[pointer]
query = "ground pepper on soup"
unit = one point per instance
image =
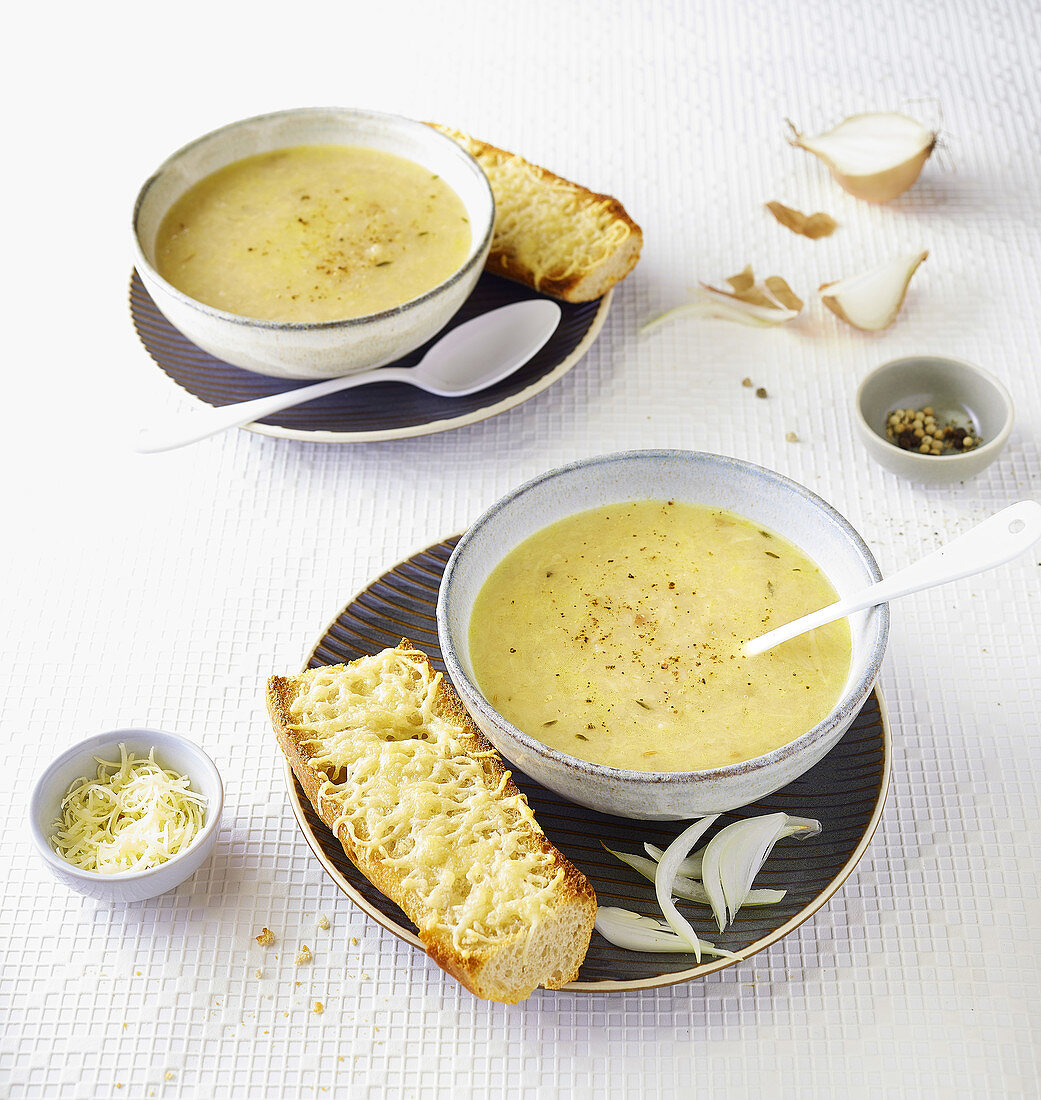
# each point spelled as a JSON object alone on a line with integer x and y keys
{"x": 313, "y": 233}
{"x": 615, "y": 635}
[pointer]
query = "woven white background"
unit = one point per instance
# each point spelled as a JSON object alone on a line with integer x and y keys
{"x": 162, "y": 590}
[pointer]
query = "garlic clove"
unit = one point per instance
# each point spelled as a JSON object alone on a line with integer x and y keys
{"x": 871, "y": 300}
{"x": 875, "y": 156}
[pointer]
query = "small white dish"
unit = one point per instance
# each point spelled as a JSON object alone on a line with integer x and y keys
{"x": 172, "y": 751}
{"x": 955, "y": 389}
{"x": 764, "y": 496}
{"x": 326, "y": 349}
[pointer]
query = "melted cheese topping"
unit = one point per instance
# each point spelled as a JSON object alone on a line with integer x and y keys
{"x": 469, "y": 855}
{"x": 542, "y": 222}
{"x": 134, "y": 815}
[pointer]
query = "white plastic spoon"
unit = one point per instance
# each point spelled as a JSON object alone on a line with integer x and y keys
{"x": 991, "y": 543}
{"x": 470, "y": 357}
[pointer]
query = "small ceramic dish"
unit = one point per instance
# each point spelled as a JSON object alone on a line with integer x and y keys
{"x": 172, "y": 751}
{"x": 957, "y": 391}
{"x": 328, "y": 348}
{"x": 767, "y": 498}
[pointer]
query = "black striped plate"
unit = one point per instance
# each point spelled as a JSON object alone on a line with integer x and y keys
{"x": 382, "y": 410}
{"x": 845, "y": 792}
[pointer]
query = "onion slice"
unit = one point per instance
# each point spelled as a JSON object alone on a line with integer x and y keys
{"x": 665, "y": 875}
{"x": 875, "y": 156}
{"x": 689, "y": 868}
{"x": 688, "y": 888}
{"x": 871, "y": 301}
{"x": 635, "y": 932}
{"x": 735, "y": 854}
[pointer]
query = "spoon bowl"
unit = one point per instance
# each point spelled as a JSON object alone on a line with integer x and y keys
{"x": 468, "y": 358}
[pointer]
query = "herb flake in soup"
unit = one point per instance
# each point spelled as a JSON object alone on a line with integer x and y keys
{"x": 615, "y": 636}
{"x": 313, "y": 233}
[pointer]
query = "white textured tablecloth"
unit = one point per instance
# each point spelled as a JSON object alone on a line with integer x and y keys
{"x": 161, "y": 591}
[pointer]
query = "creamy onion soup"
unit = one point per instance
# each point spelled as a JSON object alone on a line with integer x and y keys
{"x": 615, "y": 635}
{"x": 313, "y": 233}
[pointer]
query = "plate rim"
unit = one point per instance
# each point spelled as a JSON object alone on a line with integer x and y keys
{"x": 430, "y": 427}
{"x": 611, "y": 985}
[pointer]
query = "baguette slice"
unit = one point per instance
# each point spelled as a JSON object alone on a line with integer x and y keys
{"x": 423, "y": 807}
{"x": 551, "y": 234}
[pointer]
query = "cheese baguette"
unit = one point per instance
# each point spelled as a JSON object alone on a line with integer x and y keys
{"x": 423, "y": 807}
{"x": 552, "y": 234}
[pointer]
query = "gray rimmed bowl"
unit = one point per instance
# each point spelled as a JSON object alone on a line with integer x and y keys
{"x": 957, "y": 390}
{"x": 767, "y": 498}
{"x": 171, "y": 751}
{"x": 328, "y": 348}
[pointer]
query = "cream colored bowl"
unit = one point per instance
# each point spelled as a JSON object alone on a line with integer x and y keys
{"x": 324, "y": 349}
{"x": 690, "y": 476}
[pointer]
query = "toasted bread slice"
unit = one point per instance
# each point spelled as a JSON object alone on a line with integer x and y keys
{"x": 552, "y": 234}
{"x": 423, "y": 807}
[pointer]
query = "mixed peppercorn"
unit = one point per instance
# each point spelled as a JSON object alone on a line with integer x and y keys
{"x": 919, "y": 430}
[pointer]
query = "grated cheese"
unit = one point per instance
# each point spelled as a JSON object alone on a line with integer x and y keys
{"x": 411, "y": 797}
{"x": 134, "y": 815}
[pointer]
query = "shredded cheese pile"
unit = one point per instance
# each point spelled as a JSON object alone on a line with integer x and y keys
{"x": 543, "y": 222}
{"x": 412, "y": 798}
{"x": 133, "y": 816}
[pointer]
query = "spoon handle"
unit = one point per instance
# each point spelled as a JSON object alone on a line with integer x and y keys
{"x": 187, "y": 428}
{"x": 991, "y": 543}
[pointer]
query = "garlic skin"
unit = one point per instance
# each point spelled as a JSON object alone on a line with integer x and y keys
{"x": 875, "y": 157}
{"x": 871, "y": 300}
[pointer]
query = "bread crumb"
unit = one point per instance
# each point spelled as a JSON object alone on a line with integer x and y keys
{"x": 761, "y": 392}
{"x": 323, "y": 921}
{"x": 266, "y": 937}
{"x": 169, "y": 1075}
{"x": 791, "y": 437}
{"x": 304, "y": 955}
{"x": 258, "y": 972}
{"x": 319, "y": 1008}
{"x": 354, "y": 941}
{"x": 746, "y": 381}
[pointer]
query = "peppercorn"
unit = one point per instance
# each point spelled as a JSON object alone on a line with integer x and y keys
{"x": 918, "y": 430}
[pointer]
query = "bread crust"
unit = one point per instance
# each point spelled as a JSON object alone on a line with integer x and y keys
{"x": 505, "y": 257}
{"x": 576, "y": 900}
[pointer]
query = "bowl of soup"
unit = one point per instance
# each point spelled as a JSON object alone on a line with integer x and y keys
{"x": 593, "y": 622}
{"x": 316, "y": 242}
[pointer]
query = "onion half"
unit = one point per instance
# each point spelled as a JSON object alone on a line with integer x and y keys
{"x": 875, "y": 156}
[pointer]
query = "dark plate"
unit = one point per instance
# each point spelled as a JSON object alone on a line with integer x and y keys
{"x": 845, "y": 792}
{"x": 382, "y": 410}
